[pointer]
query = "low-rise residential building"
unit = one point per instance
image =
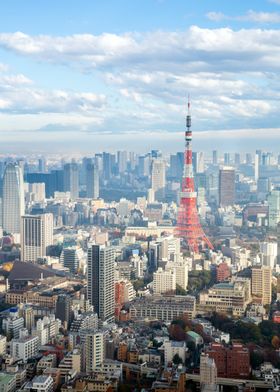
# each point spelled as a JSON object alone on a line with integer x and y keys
{"x": 172, "y": 348}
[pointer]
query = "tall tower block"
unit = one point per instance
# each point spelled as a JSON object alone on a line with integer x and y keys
{"x": 188, "y": 224}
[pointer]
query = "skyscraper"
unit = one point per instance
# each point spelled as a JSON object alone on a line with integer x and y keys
{"x": 158, "y": 179}
{"x": 257, "y": 167}
{"x": 42, "y": 165}
{"x": 108, "y": 164}
{"x": 13, "y": 198}
{"x": 71, "y": 179}
{"x": 122, "y": 161}
{"x": 226, "y": 186}
{"x": 198, "y": 162}
{"x": 36, "y": 236}
{"x": 248, "y": 159}
{"x": 215, "y": 157}
{"x": 92, "y": 180}
{"x": 100, "y": 281}
{"x": 237, "y": 159}
{"x": 226, "y": 158}
{"x": 273, "y": 200}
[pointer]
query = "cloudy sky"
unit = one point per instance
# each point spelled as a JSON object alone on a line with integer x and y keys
{"x": 84, "y": 75}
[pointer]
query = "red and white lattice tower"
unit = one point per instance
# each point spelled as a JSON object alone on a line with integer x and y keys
{"x": 188, "y": 224}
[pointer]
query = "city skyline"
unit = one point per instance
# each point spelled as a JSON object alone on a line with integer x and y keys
{"x": 91, "y": 82}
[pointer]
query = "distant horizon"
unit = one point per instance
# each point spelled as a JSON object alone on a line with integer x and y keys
{"x": 231, "y": 141}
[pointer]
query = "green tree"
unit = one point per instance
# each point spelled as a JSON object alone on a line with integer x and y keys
{"x": 177, "y": 359}
{"x": 180, "y": 290}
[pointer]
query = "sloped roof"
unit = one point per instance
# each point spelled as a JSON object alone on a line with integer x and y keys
{"x": 29, "y": 271}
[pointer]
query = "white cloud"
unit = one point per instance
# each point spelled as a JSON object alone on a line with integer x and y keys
{"x": 19, "y": 95}
{"x": 250, "y": 16}
{"x": 233, "y": 82}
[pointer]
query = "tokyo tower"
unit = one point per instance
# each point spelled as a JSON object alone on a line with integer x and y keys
{"x": 188, "y": 224}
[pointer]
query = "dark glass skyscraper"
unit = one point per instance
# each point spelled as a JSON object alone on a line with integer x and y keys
{"x": 100, "y": 281}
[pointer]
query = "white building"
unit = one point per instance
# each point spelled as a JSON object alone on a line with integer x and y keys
{"x": 3, "y": 344}
{"x": 46, "y": 328}
{"x": 24, "y": 348}
{"x": 12, "y": 325}
{"x": 164, "y": 281}
{"x": 92, "y": 181}
{"x": 13, "y": 198}
{"x": 36, "y": 236}
{"x": 93, "y": 345}
{"x": 171, "y": 348}
{"x": 208, "y": 371}
{"x": 181, "y": 271}
{"x": 158, "y": 178}
{"x": 129, "y": 292}
{"x": 40, "y": 384}
{"x": 70, "y": 363}
{"x": 36, "y": 192}
{"x": 268, "y": 254}
{"x": 169, "y": 248}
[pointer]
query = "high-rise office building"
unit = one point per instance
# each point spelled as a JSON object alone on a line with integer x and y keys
{"x": 71, "y": 179}
{"x": 249, "y": 159}
{"x": 144, "y": 165}
{"x": 92, "y": 181}
{"x": 177, "y": 165}
{"x": 122, "y": 161}
{"x": 273, "y": 200}
{"x": 158, "y": 179}
{"x": 100, "y": 280}
{"x": 261, "y": 283}
{"x": 215, "y": 157}
{"x": 258, "y": 159}
{"x": 198, "y": 162}
{"x": 13, "y": 198}
{"x": 36, "y": 236}
{"x": 226, "y": 187}
{"x": 226, "y": 158}
{"x": 237, "y": 160}
{"x": 108, "y": 164}
{"x": 42, "y": 165}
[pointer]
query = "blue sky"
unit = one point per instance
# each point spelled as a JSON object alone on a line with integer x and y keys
{"x": 84, "y": 75}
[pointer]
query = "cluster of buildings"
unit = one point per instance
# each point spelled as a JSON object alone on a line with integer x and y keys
{"x": 93, "y": 275}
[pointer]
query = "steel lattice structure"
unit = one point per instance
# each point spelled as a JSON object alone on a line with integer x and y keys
{"x": 188, "y": 223}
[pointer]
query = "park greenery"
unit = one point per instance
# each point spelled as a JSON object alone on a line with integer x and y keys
{"x": 199, "y": 280}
